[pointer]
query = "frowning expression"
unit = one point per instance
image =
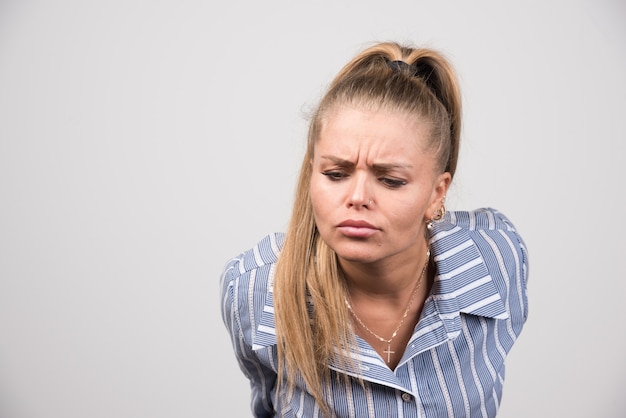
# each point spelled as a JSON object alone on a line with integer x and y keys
{"x": 374, "y": 184}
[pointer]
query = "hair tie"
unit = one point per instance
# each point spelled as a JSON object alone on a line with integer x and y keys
{"x": 401, "y": 67}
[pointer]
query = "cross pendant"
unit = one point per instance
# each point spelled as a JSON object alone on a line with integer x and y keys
{"x": 389, "y": 352}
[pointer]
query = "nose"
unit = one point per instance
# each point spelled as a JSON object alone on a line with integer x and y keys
{"x": 359, "y": 194}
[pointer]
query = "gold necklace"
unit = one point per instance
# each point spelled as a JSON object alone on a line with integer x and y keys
{"x": 406, "y": 313}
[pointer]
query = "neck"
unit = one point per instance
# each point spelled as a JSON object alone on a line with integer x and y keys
{"x": 386, "y": 320}
{"x": 385, "y": 278}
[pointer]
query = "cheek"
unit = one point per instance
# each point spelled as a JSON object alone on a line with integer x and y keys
{"x": 406, "y": 223}
{"x": 314, "y": 195}
{"x": 409, "y": 217}
{"x": 317, "y": 201}
{"x": 322, "y": 194}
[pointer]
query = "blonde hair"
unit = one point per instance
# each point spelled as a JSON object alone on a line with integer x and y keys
{"x": 307, "y": 272}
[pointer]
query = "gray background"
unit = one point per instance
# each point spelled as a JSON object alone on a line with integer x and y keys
{"x": 143, "y": 143}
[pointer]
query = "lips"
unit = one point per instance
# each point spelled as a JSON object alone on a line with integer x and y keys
{"x": 357, "y": 228}
{"x": 356, "y": 224}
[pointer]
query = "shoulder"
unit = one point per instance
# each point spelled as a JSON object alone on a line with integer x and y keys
{"x": 254, "y": 266}
{"x": 484, "y": 226}
{"x": 480, "y": 219}
{"x": 245, "y": 282}
{"x": 490, "y": 239}
{"x": 491, "y": 231}
{"x": 264, "y": 253}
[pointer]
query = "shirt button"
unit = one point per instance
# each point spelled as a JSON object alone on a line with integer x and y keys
{"x": 406, "y": 397}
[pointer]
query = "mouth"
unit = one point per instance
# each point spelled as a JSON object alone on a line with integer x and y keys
{"x": 357, "y": 229}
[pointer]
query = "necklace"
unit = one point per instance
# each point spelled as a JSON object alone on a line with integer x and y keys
{"x": 406, "y": 313}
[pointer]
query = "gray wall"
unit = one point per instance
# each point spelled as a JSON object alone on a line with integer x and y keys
{"x": 143, "y": 143}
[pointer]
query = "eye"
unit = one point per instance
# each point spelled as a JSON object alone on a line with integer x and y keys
{"x": 334, "y": 175}
{"x": 391, "y": 182}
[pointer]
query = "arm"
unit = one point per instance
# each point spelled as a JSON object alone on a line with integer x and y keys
{"x": 236, "y": 314}
{"x": 506, "y": 247}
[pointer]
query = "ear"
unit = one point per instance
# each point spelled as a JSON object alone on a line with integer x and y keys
{"x": 438, "y": 196}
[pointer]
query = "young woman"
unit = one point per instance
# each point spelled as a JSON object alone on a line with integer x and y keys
{"x": 376, "y": 302}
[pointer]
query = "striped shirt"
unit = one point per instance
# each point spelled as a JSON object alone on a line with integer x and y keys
{"x": 453, "y": 365}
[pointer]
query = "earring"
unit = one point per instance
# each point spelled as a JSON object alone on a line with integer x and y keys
{"x": 437, "y": 216}
{"x": 440, "y": 213}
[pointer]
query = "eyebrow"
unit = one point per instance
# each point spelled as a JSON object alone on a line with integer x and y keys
{"x": 342, "y": 162}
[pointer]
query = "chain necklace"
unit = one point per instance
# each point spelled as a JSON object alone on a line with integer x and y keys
{"x": 406, "y": 313}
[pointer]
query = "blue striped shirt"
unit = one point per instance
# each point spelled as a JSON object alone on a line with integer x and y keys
{"x": 453, "y": 366}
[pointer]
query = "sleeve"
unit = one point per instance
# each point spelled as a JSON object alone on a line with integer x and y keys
{"x": 236, "y": 316}
{"x": 510, "y": 268}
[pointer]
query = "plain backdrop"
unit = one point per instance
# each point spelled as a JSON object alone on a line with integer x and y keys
{"x": 144, "y": 143}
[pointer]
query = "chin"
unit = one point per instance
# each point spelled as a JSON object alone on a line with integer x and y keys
{"x": 355, "y": 255}
{"x": 359, "y": 260}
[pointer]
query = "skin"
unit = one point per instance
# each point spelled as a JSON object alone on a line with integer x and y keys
{"x": 374, "y": 187}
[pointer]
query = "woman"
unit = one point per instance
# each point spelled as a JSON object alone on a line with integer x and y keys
{"x": 377, "y": 302}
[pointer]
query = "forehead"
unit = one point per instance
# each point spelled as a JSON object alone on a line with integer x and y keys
{"x": 382, "y": 133}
